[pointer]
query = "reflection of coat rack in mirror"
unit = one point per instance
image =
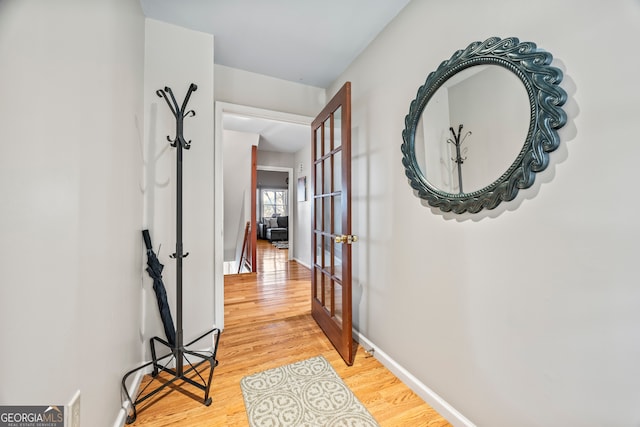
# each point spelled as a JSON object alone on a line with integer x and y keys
{"x": 459, "y": 160}
{"x": 170, "y": 368}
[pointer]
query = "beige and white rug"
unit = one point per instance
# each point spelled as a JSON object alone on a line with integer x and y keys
{"x": 307, "y": 393}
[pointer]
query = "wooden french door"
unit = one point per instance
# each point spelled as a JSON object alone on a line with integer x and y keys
{"x": 331, "y": 223}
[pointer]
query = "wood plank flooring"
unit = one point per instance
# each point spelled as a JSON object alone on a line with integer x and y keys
{"x": 267, "y": 324}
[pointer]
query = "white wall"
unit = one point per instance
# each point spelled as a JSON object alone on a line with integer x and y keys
{"x": 255, "y": 90}
{"x": 302, "y": 245}
{"x": 176, "y": 57}
{"x": 237, "y": 187}
{"x": 272, "y": 179}
{"x": 528, "y": 317}
{"x": 70, "y": 163}
{"x": 276, "y": 159}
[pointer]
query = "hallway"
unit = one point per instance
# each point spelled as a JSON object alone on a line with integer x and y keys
{"x": 268, "y": 324}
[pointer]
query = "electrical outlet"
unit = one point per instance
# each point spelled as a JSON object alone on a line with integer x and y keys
{"x": 73, "y": 411}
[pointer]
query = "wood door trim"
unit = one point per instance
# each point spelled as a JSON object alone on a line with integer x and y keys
{"x": 254, "y": 224}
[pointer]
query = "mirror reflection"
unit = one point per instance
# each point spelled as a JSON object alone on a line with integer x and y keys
{"x": 472, "y": 129}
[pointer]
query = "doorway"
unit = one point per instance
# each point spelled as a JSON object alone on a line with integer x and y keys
{"x": 275, "y": 209}
{"x": 249, "y": 115}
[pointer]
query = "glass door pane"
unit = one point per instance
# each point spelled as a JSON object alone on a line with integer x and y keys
{"x": 318, "y": 143}
{"x": 327, "y": 138}
{"x": 337, "y": 302}
{"x": 337, "y": 126}
{"x": 328, "y": 300}
{"x": 337, "y": 214}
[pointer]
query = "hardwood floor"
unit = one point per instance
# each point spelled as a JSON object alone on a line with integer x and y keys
{"x": 268, "y": 324}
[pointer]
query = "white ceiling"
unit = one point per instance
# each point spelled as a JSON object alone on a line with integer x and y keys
{"x": 277, "y": 136}
{"x": 305, "y": 41}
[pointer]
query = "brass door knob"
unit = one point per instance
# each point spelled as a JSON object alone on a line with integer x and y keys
{"x": 346, "y": 238}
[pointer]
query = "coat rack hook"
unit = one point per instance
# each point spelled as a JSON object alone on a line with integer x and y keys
{"x": 174, "y": 108}
{"x": 192, "y": 88}
{"x": 179, "y": 113}
{"x": 162, "y": 94}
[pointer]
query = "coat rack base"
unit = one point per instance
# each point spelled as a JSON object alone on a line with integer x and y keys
{"x": 189, "y": 368}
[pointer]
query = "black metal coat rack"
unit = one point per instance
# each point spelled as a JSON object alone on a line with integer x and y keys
{"x": 193, "y": 374}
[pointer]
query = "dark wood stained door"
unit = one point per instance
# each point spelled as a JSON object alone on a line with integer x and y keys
{"x": 331, "y": 222}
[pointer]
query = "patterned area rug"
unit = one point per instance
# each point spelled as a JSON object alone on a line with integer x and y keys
{"x": 307, "y": 393}
{"x": 282, "y": 244}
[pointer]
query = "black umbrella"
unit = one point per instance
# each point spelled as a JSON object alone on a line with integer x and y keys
{"x": 154, "y": 268}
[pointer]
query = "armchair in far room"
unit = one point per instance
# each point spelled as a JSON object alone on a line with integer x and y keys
{"x": 275, "y": 228}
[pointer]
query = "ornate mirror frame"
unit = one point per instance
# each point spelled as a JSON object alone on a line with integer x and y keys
{"x": 546, "y": 98}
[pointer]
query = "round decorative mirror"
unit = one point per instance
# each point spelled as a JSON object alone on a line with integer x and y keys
{"x": 483, "y": 125}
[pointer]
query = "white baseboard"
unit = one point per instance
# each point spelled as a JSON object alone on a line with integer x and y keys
{"x": 303, "y": 263}
{"x": 428, "y": 395}
{"x": 121, "y": 418}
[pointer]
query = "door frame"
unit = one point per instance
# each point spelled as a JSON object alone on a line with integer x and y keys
{"x": 290, "y": 206}
{"x": 218, "y": 190}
